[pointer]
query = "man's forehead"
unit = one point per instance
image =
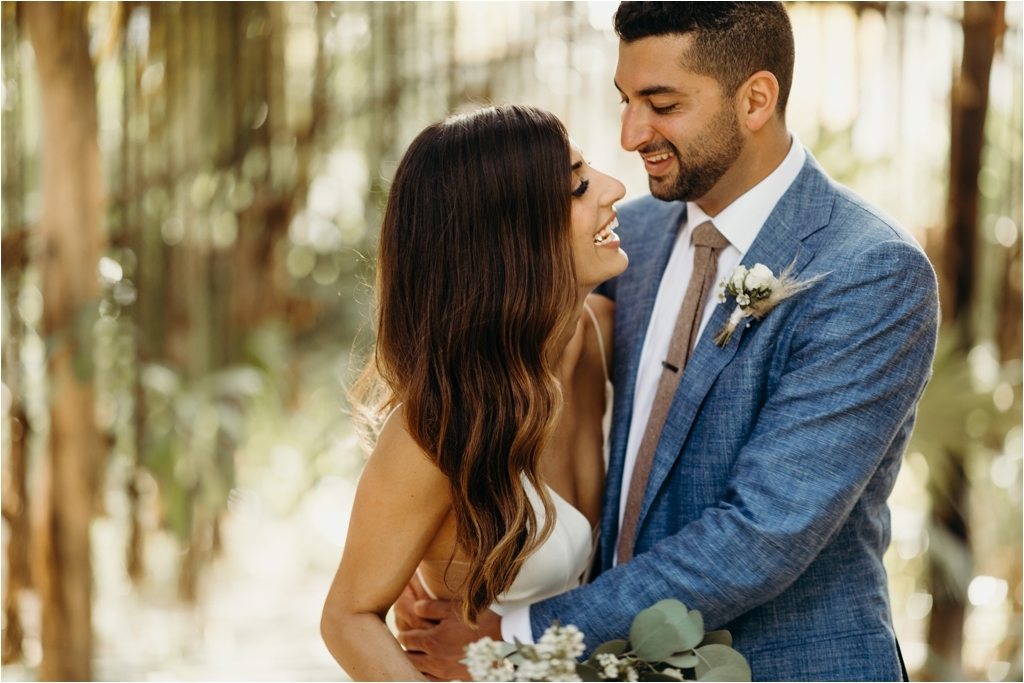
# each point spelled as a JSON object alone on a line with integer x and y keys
{"x": 653, "y": 65}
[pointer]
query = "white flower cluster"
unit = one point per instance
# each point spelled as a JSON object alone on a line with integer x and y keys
{"x": 616, "y": 669}
{"x": 748, "y": 285}
{"x": 486, "y": 661}
{"x": 553, "y": 658}
{"x": 760, "y": 277}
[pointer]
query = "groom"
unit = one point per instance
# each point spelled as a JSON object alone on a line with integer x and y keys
{"x": 748, "y": 481}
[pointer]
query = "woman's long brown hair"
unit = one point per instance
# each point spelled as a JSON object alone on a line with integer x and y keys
{"x": 475, "y": 280}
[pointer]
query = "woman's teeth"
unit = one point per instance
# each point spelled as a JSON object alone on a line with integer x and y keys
{"x": 607, "y": 233}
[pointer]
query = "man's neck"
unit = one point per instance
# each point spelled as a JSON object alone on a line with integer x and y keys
{"x": 759, "y": 158}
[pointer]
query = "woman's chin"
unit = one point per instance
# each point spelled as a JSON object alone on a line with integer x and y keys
{"x": 620, "y": 262}
{"x": 610, "y": 268}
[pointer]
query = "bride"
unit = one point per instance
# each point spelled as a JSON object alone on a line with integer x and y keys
{"x": 489, "y": 383}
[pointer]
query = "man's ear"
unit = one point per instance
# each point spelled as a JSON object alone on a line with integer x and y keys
{"x": 757, "y": 99}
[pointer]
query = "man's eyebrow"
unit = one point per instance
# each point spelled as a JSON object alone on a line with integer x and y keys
{"x": 658, "y": 90}
{"x": 651, "y": 90}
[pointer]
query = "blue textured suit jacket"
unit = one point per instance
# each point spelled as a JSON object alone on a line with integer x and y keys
{"x": 766, "y": 504}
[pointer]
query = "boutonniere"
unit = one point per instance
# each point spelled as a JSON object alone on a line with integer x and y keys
{"x": 757, "y": 292}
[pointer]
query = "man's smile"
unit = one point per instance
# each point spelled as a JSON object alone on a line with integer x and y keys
{"x": 658, "y": 163}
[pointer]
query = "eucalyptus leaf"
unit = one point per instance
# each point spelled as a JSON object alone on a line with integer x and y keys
{"x": 656, "y": 676}
{"x": 654, "y": 637}
{"x": 506, "y": 648}
{"x": 683, "y": 660}
{"x": 726, "y": 673}
{"x": 612, "y": 647}
{"x": 672, "y": 608}
{"x": 586, "y": 672}
{"x": 515, "y": 658}
{"x": 715, "y": 656}
{"x": 691, "y": 630}
{"x": 690, "y": 624}
{"x": 718, "y": 638}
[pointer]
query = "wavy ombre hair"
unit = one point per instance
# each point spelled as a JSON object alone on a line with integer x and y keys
{"x": 475, "y": 281}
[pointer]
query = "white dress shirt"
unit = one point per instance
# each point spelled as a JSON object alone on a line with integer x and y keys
{"x": 740, "y": 223}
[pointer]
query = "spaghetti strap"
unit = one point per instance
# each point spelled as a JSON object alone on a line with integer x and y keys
{"x": 423, "y": 582}
{"x": 393, "y": 411}
{"x": 600, "y": 339}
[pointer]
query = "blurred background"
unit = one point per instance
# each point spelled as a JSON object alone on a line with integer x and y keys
{"x": 191, "y": 197}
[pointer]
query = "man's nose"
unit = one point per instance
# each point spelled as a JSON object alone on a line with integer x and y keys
{"x": 636, "y": 131}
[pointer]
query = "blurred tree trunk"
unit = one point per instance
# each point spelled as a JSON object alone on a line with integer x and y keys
{"x": 70, "y": 228}
{"x": 982, "y": 25}
{"x": 257, "y": 295}
{"x": 214, "y": 118}
{"x": 15, "y": 471}
{"x": 15, "y": 508}
{"x": 1009, "y": 328}
{"x": 191, "y": 344}
{"x": 14, "y": 259}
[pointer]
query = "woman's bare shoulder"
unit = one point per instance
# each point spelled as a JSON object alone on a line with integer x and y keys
{"x": 399, "y": 462}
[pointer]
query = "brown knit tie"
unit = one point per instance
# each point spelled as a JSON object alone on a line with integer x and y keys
{"x": 708, "y": 243}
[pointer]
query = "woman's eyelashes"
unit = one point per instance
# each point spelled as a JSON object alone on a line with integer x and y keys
{"x": 581, "y": 188}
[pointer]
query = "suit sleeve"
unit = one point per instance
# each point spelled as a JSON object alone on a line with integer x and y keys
{"x": 856, "y": 367}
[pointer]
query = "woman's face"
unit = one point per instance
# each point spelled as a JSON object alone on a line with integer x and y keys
{"x": 595, "y": 244}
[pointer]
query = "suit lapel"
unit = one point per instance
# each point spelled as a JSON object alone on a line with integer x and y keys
{"x": 802, "y": 211}
{"x": 649, "y": 249}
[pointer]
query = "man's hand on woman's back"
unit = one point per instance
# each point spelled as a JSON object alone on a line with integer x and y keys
{"x": 434, "y": 636}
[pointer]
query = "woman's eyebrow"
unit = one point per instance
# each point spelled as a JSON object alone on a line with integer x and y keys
{"x": 577, "y": 165}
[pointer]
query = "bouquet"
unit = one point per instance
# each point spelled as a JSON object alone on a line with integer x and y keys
{"x": 666, "y": 642}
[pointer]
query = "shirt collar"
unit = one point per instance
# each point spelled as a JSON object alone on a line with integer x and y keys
{"x": 741, "y": 221}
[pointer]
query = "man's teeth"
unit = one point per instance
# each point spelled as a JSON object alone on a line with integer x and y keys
{"x": 659, "y": 157}
{"x": 607, "y": 233}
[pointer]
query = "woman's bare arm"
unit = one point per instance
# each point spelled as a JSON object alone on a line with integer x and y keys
{"x": 401, "y": 502}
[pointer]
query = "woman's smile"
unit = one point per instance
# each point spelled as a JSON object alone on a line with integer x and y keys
{"x": 606, "y": 236}
{"x": 594, "y": 220}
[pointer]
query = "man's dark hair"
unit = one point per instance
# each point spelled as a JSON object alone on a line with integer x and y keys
{"x": 731, "y": 40}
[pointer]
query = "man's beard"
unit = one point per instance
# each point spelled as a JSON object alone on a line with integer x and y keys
{"x": 712, "y": 153}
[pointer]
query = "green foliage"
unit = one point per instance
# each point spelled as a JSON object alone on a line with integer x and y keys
{"x": 84, "y": 321}
{"x": 667, "y": 642}
{"x": 612, "y": 647}
{"x": 194, "y": 429}
{"x": 964, "y": 427}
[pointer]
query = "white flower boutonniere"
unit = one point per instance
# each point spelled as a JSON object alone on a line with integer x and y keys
{"x": 757, "y": 292}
